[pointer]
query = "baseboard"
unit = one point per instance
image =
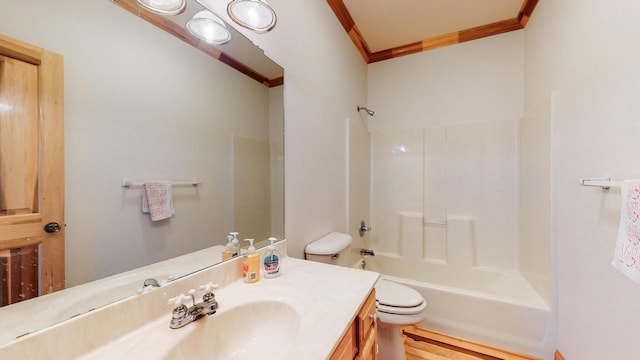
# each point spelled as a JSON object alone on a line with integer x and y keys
{"x": 559, "y": 355}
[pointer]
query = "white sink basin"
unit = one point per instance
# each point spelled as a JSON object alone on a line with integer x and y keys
{"x": 265, "y": 329}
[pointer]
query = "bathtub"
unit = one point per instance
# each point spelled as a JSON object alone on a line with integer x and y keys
{"x": 496, "y": 308}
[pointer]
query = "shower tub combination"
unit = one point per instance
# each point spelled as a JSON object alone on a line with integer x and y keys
{"x": 500, "y": 309}
{"x": 445, "y": 208}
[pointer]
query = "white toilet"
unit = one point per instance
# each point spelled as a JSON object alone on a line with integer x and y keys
{"x": 398, "y": 305}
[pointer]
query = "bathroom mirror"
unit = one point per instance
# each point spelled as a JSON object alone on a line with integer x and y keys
{"x": 146, "y": 104}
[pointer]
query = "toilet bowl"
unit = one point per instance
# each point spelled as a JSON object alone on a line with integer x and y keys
{"x": 397, "y": 305}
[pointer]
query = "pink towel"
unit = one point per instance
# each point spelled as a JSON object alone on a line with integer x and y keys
{"x": 626, "y": 257}
{"x": 156, "y": 200}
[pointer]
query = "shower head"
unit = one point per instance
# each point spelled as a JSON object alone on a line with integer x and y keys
{"x": 370, "y": 112}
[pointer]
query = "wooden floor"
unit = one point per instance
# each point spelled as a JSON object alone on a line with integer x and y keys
{"x": 422, "y": 344}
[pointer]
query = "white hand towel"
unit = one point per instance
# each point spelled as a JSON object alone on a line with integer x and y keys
{"x": 157, "y": 200}
{"x": 626, "y": 257}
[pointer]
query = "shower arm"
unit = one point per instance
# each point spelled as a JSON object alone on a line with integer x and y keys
{"x": 370, "y": 112}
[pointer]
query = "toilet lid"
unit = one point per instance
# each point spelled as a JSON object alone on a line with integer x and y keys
{"x": 390, "y": 294}
{"x": 394, "y": 310}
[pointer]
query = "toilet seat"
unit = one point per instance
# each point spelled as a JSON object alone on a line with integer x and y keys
{"x": 394, "y": 298}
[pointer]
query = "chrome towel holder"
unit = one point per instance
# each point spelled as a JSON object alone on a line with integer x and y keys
{"x": 126, "y": 183}
{"x": 604, "y": 182}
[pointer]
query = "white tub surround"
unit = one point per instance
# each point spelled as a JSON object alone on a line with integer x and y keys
{"x": 325, "y": 299}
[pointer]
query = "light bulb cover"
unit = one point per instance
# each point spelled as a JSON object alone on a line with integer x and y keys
{"x": 164, "y": 7}
{"x": 255, "y": 15}
{"x": 209, "y": 28}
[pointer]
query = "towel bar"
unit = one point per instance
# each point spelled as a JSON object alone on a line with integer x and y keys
{"x": 604, "y": 182}
{"x": 128, "y": 183}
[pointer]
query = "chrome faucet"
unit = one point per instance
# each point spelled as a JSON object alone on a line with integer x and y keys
{"x": 151, "y": 283}
{"x": 363, "y": 228}
{"x": 368, "y": 252}
{"x": 148, "y": 285}
{"x": 183, "y": 315}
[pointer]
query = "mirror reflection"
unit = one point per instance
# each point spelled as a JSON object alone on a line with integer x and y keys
{"x": 143, "y": 105}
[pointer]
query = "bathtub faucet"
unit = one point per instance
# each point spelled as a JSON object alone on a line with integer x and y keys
{"x": 368, "y": 252}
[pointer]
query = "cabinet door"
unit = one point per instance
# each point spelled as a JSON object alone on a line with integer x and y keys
{"x": 367, "y": 319}
{"x": 368, "y": 329}
{"x": 346, "y": 349}
{"x": 360, "y": 340}
{"x": 370, "y": 349}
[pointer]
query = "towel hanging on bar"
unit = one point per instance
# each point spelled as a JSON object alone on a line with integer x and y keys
{"x": 157, "y": 200}
{"x": 626, "y": 256}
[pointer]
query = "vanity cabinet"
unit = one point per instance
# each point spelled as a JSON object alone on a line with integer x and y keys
{"x": 360, "y": 340}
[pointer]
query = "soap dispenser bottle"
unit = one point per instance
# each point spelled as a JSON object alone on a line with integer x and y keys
{"x": 251, "y": 264}
{"x": 236, "y": 244}
{"x": 271, "y": 263}
{"x": 227, "y": 252}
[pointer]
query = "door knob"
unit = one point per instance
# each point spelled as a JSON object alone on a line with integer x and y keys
{"x": 52, "y": 227}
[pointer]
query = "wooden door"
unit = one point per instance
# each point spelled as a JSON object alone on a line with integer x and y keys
{"x": 31, "y": 171}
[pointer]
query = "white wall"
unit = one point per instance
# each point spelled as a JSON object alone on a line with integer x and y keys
{"x": 276, "y": 122}
{"x": 325, "y": 81}
{"x": 477, "y": 81}
{"x": 138, "y": 103}
{"x": 582, "y": 68}
{"x": 359, "y": 182}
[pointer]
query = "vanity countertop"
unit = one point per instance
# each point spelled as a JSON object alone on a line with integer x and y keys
{"x": 325, "y": 297}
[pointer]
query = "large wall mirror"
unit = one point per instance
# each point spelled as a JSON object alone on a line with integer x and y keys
{"x": 144, "y": 100}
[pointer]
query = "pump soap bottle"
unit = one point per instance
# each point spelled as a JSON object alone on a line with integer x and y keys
{"x": 251, "y": 264}
{"x": 236, "y": 244}
{"x": 271, "y": 261}
{"x": 227, "y": 252}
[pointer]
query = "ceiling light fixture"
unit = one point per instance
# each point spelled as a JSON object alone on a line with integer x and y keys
{"x": 255, "y": 15}
{"x": 164, "y": 7}
{"x": 209, "y": 28}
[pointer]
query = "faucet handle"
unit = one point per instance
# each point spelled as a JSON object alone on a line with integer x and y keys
{"x": 209, "y": 298}
{"x": 178, "y": 300}
{"x": 209, "y": 287}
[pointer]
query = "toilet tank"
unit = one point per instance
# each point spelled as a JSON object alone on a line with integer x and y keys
{"x": 333, "y": 248}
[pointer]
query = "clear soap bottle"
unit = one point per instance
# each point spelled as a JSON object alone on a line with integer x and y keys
{"x": 236, "y": 244}
{"x": 227, "y": 252}
{"x": 251, "y": 264}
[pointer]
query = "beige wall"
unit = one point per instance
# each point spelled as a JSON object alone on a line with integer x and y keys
{"x": 581, "y": 77}
{"x": 477, "y": 81}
